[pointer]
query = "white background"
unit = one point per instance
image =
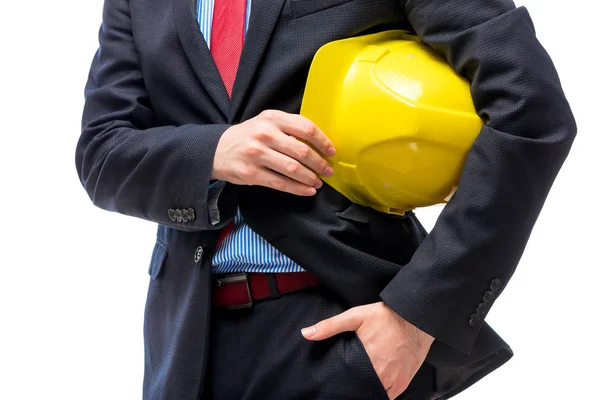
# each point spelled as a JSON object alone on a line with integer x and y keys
{"x": 73, "y": 277}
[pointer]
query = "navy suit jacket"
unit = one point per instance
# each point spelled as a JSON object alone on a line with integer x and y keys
{"x": 156, "y": 107}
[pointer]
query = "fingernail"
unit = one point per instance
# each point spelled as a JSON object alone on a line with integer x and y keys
{"x": 311, "y": 191}
{"x": 331, "y": 151}
{"x": 319, "y": 185}
{"x": 328, "y": 171}
{"x": 309, "y": 332}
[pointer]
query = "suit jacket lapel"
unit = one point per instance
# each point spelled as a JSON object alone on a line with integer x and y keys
{"x": 263, "y": 18}
{"x": 197, "y": 51}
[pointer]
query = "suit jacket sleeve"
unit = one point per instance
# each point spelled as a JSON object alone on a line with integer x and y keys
{"x": 471, "y": 253}
{"x": 126, "y": 163}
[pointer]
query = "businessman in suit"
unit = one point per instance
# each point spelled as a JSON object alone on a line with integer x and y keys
{"x": 264, "y": 282}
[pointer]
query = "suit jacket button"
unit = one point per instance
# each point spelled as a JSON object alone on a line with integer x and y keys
{"x": 488, "y": 297}
{"x": 495, "y": 284}
{"x": 191, "y": 214}
{"x": 185, "y": 215}
{"x": 474, "y": 319}
{"x": 178, "y": 215}
{"x": 172, "y": 215}
{"x": 481, "y": 308}
{"x": 198, "y": 255}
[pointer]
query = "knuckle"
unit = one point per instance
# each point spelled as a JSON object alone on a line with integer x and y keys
{"x": 269, "y": 115}
{"x": 253, "y": 150}
{"x": 309, "y": 129}
{"x": 293, "y": 167}
{"x": 262, "y": 134}
{"x": 263, "y": 127}
{"x": 277, "y": 184}
{"x": 247, "y": 172}
{"x": 303, "y": 152}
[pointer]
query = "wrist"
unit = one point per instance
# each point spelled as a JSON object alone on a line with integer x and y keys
{"x": 418, "y": 337}
{"x": 215, "y": 175}
{"x": 425, "y": 339}
{"x": 217, "y": 172}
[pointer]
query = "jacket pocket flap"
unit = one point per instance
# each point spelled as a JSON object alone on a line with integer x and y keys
{"x": 159, "y": 255}
{"x": 355, "y": 213}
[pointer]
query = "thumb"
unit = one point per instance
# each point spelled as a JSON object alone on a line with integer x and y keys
{"x": 347, "y": 321}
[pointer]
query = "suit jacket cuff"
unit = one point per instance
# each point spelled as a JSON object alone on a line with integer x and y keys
{"x": 214, "y": 192}
{"x": 405, "y": 296}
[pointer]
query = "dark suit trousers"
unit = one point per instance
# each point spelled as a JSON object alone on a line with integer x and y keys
{"x": 258, "y": 353}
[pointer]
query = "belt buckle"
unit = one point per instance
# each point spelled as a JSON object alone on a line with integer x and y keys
{"x": 234, "y": 278}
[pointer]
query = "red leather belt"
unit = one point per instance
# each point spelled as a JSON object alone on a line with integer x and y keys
{"x": 242, "y": 290}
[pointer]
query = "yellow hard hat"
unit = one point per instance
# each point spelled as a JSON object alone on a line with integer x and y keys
{"x": 401, "y": 119}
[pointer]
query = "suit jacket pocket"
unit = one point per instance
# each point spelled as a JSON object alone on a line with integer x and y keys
{"x": 159, "y": 255}
{"x": 390, "y": 237}
{"x": 364, "y": 363}
{"x": 301, "y": 8}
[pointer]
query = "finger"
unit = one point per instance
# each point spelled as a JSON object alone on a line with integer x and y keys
{"x": 301, "y": 152}
{"x": 291, "y": 168}
{"x": 302, "y": 128}
{"x": 273, "y": 180}
{"x": 347, "y": 321}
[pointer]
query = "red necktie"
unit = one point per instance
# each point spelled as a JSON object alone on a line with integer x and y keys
{"x": 227, "y": 38}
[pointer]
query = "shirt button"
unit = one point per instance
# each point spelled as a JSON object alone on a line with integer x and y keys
{"x": 172, "y": 215}
{"x": 198, "y": 255}
{"x": 474, "y": 319}
{"x": 488, "y": 297}
{"x": 178, "y": 215}
{"x": 191, "y": 214}
{"x": 495, "y": 284}
{"x": 185, "y": 215}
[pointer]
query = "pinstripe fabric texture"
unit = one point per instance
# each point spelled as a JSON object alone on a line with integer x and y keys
{"x": 243, "y": 250}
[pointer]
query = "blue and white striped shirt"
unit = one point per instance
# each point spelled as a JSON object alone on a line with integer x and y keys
{"x": 243, "y": 250}
{"x": 204, "y": 15}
